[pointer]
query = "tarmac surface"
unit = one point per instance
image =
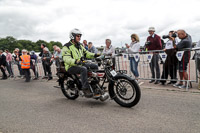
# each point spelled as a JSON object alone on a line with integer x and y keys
{"x": 38, "y": 107}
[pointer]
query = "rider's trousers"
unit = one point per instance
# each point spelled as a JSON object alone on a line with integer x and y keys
{"x": 82, "y": 70}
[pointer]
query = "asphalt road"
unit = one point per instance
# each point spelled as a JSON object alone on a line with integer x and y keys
{"x": 38, "y": 107}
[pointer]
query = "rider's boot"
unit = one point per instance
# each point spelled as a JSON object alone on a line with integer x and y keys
{"x": 87, "y": 93}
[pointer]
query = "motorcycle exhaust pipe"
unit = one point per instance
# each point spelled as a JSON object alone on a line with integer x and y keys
{"x": 104, "y": 97}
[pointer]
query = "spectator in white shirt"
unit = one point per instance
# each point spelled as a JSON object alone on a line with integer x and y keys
{"x": 133, "y": 48}
{"x": 110, "y": 50}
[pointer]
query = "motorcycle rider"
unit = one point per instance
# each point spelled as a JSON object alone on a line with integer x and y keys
{"x": 72, "y": 53}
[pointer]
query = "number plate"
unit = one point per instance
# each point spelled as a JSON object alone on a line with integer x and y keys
{"x": 113, "y": 73}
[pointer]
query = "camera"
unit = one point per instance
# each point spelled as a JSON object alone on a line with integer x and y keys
{"x": 147, "y": 43}
{"x": 167, "y": 36}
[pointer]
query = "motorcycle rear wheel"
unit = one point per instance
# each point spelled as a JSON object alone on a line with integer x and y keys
{"x": 69, "y": 89}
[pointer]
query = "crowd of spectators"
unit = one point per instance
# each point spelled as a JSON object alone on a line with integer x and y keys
{"x": 154, "y": 43}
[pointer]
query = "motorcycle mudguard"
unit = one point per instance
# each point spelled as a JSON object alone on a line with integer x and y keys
{"x": 119, "y": 75}
{"x": 111, "y": 83}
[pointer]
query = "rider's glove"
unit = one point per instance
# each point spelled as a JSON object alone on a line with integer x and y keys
{"x": 78, "y": 62}
{"x": 97, "y": 55}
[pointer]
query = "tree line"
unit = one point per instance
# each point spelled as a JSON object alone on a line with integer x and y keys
{"x": 11, "y": 43}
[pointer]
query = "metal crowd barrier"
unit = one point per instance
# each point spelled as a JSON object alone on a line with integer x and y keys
{"x": 38, "y": 68}
{"x": 145, "y": 57}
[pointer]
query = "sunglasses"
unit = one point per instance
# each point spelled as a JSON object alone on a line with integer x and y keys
{"x": 78, "y": 35}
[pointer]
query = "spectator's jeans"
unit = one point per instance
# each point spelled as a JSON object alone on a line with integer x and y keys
{"x": 27, "y": 74}
{"x": 154, "y": 65}
{"x": 82, "y": 70}
{"x": 9, "y": 68}
{"x": 134, "y": 66}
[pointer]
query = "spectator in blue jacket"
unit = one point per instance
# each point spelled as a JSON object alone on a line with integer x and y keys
{"x": 34, "y": 63}
{"x": 92, "y": 48}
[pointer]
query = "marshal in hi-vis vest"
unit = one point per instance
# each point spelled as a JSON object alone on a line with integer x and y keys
{"x": 25, "y": 63}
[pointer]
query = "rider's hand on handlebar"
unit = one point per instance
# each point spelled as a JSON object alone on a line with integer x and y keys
{"x": 78, "y": 62}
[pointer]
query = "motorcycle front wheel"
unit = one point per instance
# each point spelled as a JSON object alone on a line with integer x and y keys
{"x": 69, "y": 88}
{"x": 126, "y": 92}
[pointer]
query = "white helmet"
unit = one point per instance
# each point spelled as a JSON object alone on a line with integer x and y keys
{"x": 73, "y": 33}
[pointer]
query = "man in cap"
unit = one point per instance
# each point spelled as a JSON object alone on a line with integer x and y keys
{"x": 154, "y": 43}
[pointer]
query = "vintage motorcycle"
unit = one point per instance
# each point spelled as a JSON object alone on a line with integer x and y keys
{"x": 121, "y": 88}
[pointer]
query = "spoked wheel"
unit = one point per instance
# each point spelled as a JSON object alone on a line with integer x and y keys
{"x": 127, "y": 92}
{"x": 69, "y": 88}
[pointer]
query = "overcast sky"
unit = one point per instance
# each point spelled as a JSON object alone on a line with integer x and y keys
{"x": 52, "y": 20}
